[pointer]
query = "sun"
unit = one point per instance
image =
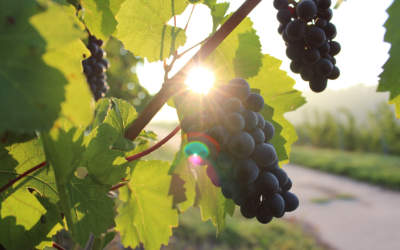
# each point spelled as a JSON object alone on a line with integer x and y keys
{"x": 200, "y": 80}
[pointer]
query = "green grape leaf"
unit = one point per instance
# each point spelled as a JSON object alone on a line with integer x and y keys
{"x": 18, "y": 155}
{"x": 101, "y": 108}
{"x": 105, "y": 165}
{"x": 277, "y": 89}
{"x": 107, "y": 239}
{"x": 78, "y": 97}
{"x": 147, "y": 213}
{"x": 212, "y": 203}
{"x": 64, "y": 148}
{"x": 185, "y": 194}
{"x": 239, "y": 55}
{"x": 32, "y": 90}
{"x": 218, "y": 12}
{"x": 121, "y": 117}
{"x": 27, "y": 221}
{"x": 142, "y": 27}
{"x": 210, "y": 3}
{"x": 338, "y": 3}
{"x": 87, "y": 208}
{"x": 148, "y": 135}
{"x": 99, "y": 16}
{"x": 390, "y": 77}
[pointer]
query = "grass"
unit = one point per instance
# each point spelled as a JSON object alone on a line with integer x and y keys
{"x": 239, "y": 233}
{"x": 379, "y": 169}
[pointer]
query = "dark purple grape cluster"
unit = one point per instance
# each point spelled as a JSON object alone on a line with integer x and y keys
{"x": 308, "y": 33}
{"x": 95, "y": 67}
{"x": 240, "y": 158}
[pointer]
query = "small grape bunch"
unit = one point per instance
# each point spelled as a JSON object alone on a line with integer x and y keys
{"x": 240, "y": 158}
{"x": 95, "y": 67}
{"x": 308, "y": 34}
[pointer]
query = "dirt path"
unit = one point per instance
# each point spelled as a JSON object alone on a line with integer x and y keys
{"x": 347, "y": 214}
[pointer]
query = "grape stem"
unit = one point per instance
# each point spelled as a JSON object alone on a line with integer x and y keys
{"x": 58, "y": 247}
{"x": 129, "y": 159}
{"x": 175, "y": 84}
{"x": 189, "y": 17}
{"x": 10, "y": 183}
{"x": 293, "y": 2}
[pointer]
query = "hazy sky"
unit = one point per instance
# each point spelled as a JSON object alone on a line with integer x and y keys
{"x": 360, "y": 32}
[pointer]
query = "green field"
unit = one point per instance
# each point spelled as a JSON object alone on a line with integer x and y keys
{"x": 373, "y": 168}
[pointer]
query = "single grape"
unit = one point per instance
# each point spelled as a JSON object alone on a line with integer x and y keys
{"x": 220, "y": 134}
{"x": 250, "y": 119}
{"x": 264, "y": 155}
{"x": 267, "y": 184}
{"x": 324, "y": 4}
{"x": 102, "y": 76}
{"x": 233, "y": 105}
{"x": 100, "y": 54}
{"x": 318, "y": 83}
{"x": 263, "y": 217}
{"x": 296, "y": 29}
{"x": 218, "y": 114}
{"x": 281, "y": 28}
{"x": 330, "y": 31}
{"x": 323, "y": 68}
{"x": 261, "y": 121}
{"x": 93, "y": 48}
{"x": 327, "y": 57}
{"x": 335, "y": 48}
{"x": 187, "y": 122}
{"x": 325, "y": 14}
{"x": 93, "y": 87}
{"x": 92, "y": 60}
{"x": 241, "y": 145}
{"x": 247, "y": 191}
{"x": 306, "y": 10}
{"x": 99, "y": 42}
{"x": 247, "y": 210}
{"x": 270, "y": 167}
{"x": 311, "y": 56}
{"x": 258, "y": 135}
{"x": 281, "y": 4}
{"x": 245, "y": 170}
{"x": 294, "y": 51}
{"x": 291, "y": 201}
{"x": 335, "y": 73}
{"x": 87, "y": 69}
{"x": 230, "y": 189}
{"x": 320, "y": 23}
{"x": 281, "y": 215}
{"x": 100, "y": 83}
{"x": 333, "y": 60}
{"x": 98, "y": 95}
{"x": 324, "y": 49}
{"x": 281, "y": 175}
{"x": 284, "y": 16}
{"x": 234, "y": 123}
{"x": 286, "y": 38}
{"x": 238, "y": 88}
{"x": 254, "y": 102}
{"x": 239, "y": 200}
{"x": 287, "y": 186}
{"x": 315, "y": 37}
{"x": 269, "y": 131}
{"x": 98, "y": 69}
{"x": 204, "y": 120}
{"x": 295, "y": 66}
{"x": 307, "y": 72}
{"x": 274, "y": 205}
{"x": 226, "y": 160}
{"x": 105, "y": 63}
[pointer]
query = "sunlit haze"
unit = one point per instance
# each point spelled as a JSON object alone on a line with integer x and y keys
{"x": 200, "y": 80}
{"x": 360, "y": 61}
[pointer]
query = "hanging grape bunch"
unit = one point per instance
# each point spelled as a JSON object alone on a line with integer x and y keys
{"x": 95, "y": 67}
{"x": 232, "y": 138}
{"x": 308, "y": 34}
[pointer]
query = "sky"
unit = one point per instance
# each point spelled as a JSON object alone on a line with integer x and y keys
{"x": 360, "y": 32}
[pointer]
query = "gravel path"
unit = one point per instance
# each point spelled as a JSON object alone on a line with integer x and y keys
{"x": 347, "y": 214}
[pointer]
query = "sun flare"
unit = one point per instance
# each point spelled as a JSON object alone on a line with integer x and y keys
{"x": 200, "y": 80}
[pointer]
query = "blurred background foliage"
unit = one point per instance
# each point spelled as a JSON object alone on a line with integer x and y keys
{"x": 380, "y": 133}
{"x": 122, "y": 75}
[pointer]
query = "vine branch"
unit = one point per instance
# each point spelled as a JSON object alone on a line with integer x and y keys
{"x": 176, "y": 83}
